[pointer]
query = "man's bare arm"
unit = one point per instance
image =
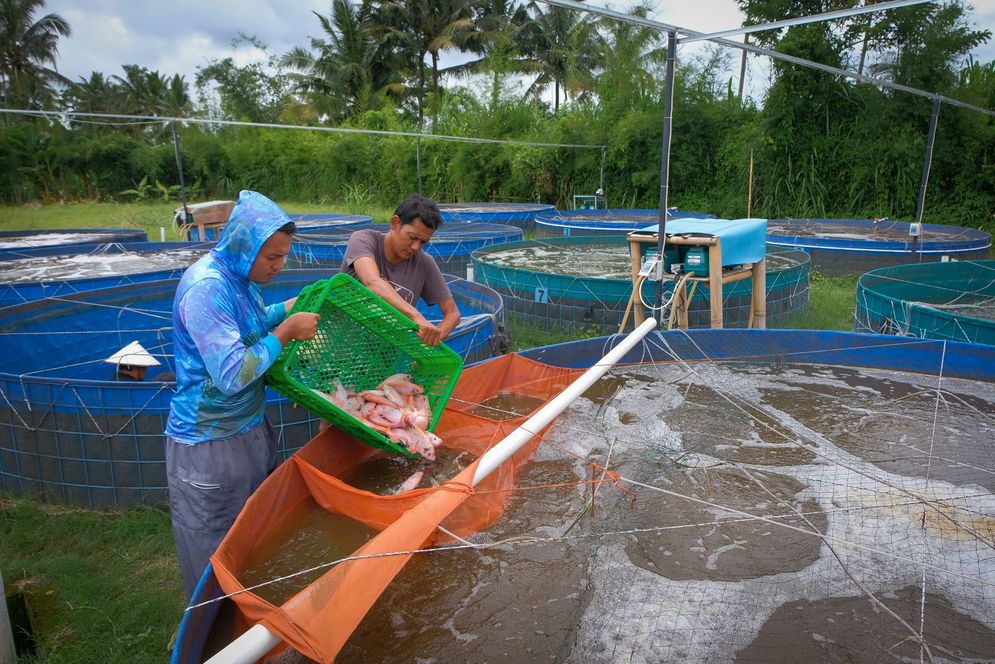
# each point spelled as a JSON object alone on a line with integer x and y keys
{"x": 450, "y": 316}
{"x": 369, "y": 275}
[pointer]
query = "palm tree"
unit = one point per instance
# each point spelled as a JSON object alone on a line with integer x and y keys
{"x": 346, "y": 74}
{"x": 26, "y": 47}
{"x": 145, "y": 92}
{"x": 424, "y": 27}
{"x": 565, "y": 49}
{"x": 93, "y": 95}
{"x": 497, "y": 25}
{"x": 634, "y": 57}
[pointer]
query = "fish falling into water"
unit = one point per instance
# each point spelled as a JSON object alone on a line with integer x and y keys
{"x": 397, "y": 408}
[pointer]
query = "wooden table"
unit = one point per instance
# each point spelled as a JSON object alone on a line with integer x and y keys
{"x": 717, "y": 276}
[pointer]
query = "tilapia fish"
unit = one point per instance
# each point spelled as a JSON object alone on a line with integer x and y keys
{"x": 397, "y": 408}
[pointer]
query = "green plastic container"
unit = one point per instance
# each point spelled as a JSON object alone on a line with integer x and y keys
{"x": 361, "y": 340}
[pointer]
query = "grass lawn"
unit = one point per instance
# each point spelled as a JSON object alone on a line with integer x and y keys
{"x": 104, "y": 585}
{"x": 154, "y": 217}
{"x": 101, "y": 586}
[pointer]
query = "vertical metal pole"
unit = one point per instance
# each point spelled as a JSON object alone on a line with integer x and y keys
{"x": 926, "y": 164}
{"x": 668, "y": 121}
{"x": 601, "y": 177}
{"x": 742, "y": 68}
{"x": 179, "y": 169}
{"x": 418, "y": 161}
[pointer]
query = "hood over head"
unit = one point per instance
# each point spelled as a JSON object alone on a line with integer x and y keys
{"x": 252, "y": 222}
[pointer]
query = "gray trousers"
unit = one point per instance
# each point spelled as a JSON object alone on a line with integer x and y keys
{"x": 209, "y": 483}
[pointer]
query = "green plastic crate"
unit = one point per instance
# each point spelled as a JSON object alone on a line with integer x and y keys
{"x": 361, "y": 340}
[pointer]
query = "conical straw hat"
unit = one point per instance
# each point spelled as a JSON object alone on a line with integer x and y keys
{"x": 133, "y": 355}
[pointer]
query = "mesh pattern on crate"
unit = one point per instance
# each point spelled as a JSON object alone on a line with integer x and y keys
{"x": 361, "y": 340}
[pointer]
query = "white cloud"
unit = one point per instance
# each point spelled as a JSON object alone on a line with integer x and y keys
{"x": 181, "y": 35}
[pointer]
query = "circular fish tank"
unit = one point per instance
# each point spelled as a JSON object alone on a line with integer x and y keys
{"x": 719, "y": 495}
{"x": 306, "y": 223}
{"x": 854, "y": 246}
{"x": 953, "y": 300}
{"x": 616, "y": 221}
{"x": 14, "y": 242}
{"x": 522, "y": 215}
{"x": 320, "y": 223}
{"x": 43, "y": 273}
{"x": 585, "y": 282}
{"x": 451, "y": 245}
{"x": 71, "y": 435}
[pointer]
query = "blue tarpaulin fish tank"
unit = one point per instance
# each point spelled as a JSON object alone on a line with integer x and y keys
{"x": 954, "y": 300}
{"x": 306, "y": 223}
{"x": 764, "y": 495}
{"x": 12, "y": 243}
{"x": 451, "y": 245}
{"x": 585, "y": 282}
{"x": 854, "y": 246}
{"x": 68, "y": 434}
{"x": 58, "y": 271}
{"x": 612, "y": 221}
{"x": 522, "y": 215}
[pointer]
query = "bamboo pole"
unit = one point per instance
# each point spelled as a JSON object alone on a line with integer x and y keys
{"x": 749, "y": 192}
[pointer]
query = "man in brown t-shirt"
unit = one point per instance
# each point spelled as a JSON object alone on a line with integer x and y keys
{"x": 393, "y": 266}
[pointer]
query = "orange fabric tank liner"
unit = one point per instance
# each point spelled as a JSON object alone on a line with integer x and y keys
{"x": 320, "y": 618}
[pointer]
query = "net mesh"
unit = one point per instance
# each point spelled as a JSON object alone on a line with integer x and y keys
{"x": 318, "y": 620}
{"x": 954, "y": 301}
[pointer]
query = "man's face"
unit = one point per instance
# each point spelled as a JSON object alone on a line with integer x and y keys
{"x": 270, "y": 259}
{"x": 410, "y": 238}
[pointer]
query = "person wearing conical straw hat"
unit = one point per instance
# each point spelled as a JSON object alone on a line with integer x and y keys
{"x": 132, "y": 362}
{"x": 219, "y": 445}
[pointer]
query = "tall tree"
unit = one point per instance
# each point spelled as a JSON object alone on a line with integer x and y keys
{"x": 346, "y": 73}
{"x": 924, "y": 46}
{"x": 496, "y": 40}
{"x": 27, "y": 47}
{"x": 147, "y": 92}
{"x": 96, "y": 94}
{"x": 254, "y": 92}
{"x": 425, "y": 28}
{"x": 564, "y": 48}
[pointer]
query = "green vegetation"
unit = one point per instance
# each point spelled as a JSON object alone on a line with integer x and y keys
{"x": 105, "y": 585}
{"x": 101, "y": 586}
{"x": 149, "y": 216}
{"x": 831, "y": 305}
{"x": 820, "y": 145}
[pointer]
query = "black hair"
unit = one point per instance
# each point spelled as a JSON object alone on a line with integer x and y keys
{"x": 416, "y": 206}
{"x": 289, "y": 228}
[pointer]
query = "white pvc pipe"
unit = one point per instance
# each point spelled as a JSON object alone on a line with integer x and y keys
{"x": 258, "y": 640}
{"x": 498, "y": 454}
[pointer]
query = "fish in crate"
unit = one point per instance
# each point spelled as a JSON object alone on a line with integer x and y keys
{"x": 397, "y": 408}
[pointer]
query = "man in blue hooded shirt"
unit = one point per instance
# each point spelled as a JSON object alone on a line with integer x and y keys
{"x": 219, "y": 446}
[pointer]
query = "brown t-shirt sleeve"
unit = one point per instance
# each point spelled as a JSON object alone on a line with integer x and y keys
{"x": 435, "y": 289}
{"x": 361, "y": 243}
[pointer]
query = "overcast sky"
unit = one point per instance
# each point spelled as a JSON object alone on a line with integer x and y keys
{"x": 177, "y": 37}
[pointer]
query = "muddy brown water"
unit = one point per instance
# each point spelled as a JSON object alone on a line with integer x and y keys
{"x": 769, "y": 499}
{"x": 506, "y": 406}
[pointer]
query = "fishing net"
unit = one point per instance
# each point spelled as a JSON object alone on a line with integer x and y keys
{"x": 318, "y": 620}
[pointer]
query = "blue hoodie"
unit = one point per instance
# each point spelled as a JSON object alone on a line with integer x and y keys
{"x": 222, "y": 335}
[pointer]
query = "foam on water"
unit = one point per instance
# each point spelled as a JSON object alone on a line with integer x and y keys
{"x": 609, "y": 260}
{"x": 49, "y": 239}
{"x": 89, "y": 266}
{"x": 722, "y": 557}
